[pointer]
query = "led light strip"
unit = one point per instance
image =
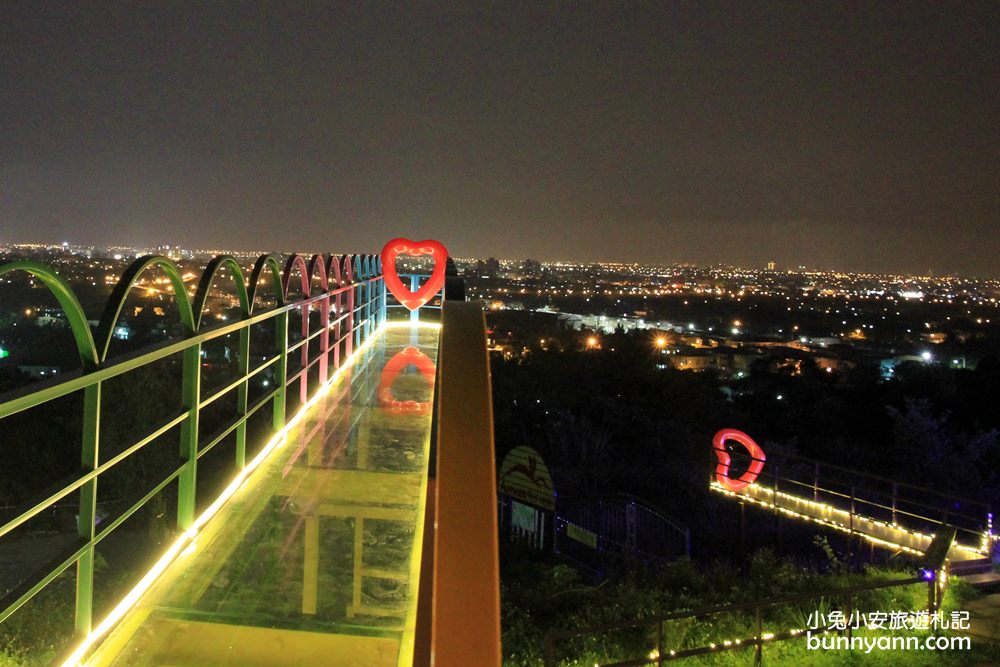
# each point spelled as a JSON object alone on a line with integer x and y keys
{"x": 185, "y": 543}
{"x": 823, "y": 507}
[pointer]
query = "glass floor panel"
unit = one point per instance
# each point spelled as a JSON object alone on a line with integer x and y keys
{"x": 316, "y": 559}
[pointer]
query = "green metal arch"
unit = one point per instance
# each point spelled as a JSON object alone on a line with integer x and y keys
{"x": 266, "y": 262}
{"x": 117, "y": 299}
{"x": 70, "y": 305}
{"x": 205, "y": 285}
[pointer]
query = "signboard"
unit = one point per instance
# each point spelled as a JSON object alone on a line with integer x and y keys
{"x": 581, "y": 535}
{"x": 524, "y": 476}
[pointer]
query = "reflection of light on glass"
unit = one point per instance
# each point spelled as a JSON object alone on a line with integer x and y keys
{"x": 410, "y": 356}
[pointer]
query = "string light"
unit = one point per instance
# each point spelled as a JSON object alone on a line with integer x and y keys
{"x": 824, "y": 508}
{"x": 185, "y": 545}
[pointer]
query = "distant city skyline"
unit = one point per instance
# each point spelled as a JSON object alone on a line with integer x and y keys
{"x": 256, "y": 251}
{"x": 853, "y": 137}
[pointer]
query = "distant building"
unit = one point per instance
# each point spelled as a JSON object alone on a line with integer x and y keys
{"x": 51, "y": 317}
{"x": 771, "y": 266}
{"x": 531, "y": 268}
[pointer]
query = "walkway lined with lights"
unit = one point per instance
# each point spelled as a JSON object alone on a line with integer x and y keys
{"x": 316, "y": 557}
{"x": 880, "y": 533}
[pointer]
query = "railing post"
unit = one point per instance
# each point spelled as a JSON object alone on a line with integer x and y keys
{"x": 383, "y": 303}
{"x": 777, "y": 515}
{"x": 304, "y": 357}
{"x": 348, "y": 295}
{"x": 359, "y": 300}
{"x": 774, "y": 488}
{"x": 338, "y": 310}
{"x": 895, "y": 494}
{"x": 850, "y": 531}
{"x": 324, "y": 339}
{"x": 88, "y": 510}
{"x": 242, "y": 397}
{"x": 816, "y": 482}
{"x": 414, "y": 286}
{"x": 190, "y": 399}
{"x": 372, "y": 298}
{"x": 280, "y": 370}
{"x": 365, "y": 304}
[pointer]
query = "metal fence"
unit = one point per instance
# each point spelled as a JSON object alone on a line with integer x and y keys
{"x": 788, "y": 481}
{"x": 343, "y": 301}
{"x": 618, "y": 528}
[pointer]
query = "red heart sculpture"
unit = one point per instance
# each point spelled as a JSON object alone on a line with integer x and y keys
{"x": 409, "y": 356}
{"x": 722, "y": 469}
{"x": 401, "y": 246}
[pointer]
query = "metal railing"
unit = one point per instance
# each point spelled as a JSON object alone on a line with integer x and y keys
{"x": 623, "y": 527}
{"x": 349, "y": 305}
{"x": 397, "y": 311}
{"x": 659, "y": 643}
{"x": 864, "y": 497}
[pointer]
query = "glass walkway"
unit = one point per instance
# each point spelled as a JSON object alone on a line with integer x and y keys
{"x": 316, "y": 558}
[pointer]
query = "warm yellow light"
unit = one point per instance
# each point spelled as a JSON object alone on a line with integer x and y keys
{"x": 836, "y": 525}
{"x": 185, "y": 544}
{"x": 661, "y": 342}
{"x": 592, "y": 341}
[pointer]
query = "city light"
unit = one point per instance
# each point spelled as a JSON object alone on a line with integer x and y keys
{"x": 661, "y": 342}
{"x": 592, "y": 342}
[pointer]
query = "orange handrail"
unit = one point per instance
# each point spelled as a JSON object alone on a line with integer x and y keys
{"x": 465, "y": 616}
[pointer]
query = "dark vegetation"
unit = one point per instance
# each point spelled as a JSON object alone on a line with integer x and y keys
{"x": 608, "y": 421}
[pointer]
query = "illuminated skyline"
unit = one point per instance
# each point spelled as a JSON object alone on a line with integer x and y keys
{"x": 850, "y": 137}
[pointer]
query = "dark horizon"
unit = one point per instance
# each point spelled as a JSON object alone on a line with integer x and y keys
{"x": 853, "y": 137}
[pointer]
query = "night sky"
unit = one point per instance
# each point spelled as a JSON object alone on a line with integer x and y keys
{"x": 856, "y": 136}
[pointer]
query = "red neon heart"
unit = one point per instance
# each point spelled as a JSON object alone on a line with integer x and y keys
{"x": 401, "y": 246}
{"x": 722, "y": 469}
{"x": 409, "y": 356}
